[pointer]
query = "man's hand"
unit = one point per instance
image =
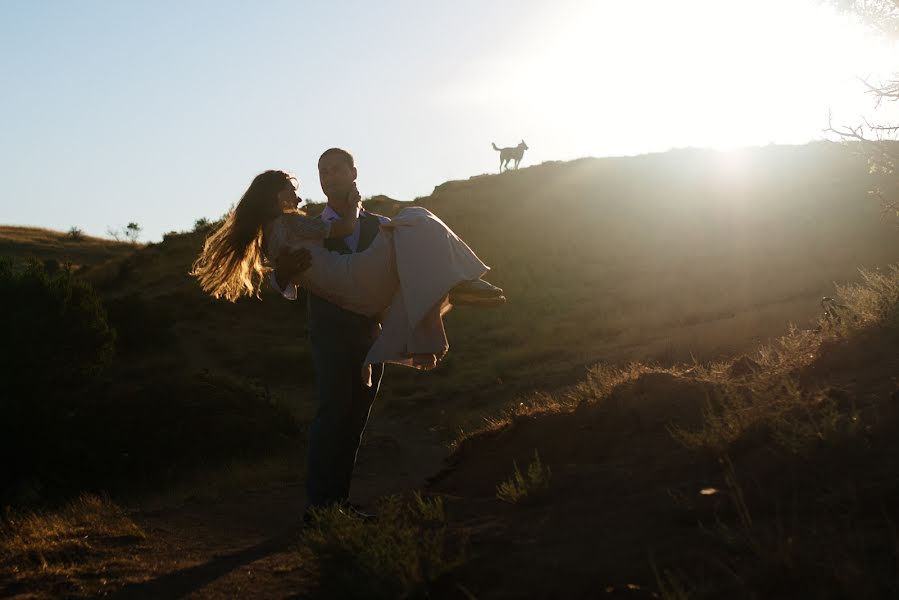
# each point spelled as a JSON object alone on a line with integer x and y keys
{"x": 289, "y": 265}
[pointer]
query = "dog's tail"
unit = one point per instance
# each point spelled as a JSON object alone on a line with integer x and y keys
{"x": 494, "y": 147}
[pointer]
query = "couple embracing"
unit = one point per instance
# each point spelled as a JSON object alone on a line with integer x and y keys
{"x": 378, "y": 290}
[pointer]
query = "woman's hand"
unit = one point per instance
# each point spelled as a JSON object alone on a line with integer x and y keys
{"x": 353, "y": 202}
{"x": 289, "y": 265}
{"x": 349, "y": 214}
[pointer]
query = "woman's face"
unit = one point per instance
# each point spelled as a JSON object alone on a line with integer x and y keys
{"x": 287, "y": 198}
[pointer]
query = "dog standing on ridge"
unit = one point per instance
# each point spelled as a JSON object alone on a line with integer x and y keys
{"x": 512, "y": 153}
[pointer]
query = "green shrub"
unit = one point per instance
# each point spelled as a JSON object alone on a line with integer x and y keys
{"x": 56, "y": 342}
{"x": 54, "y": 331}
{"x": 398, "y": 556}
{"x": 521, "y": 486}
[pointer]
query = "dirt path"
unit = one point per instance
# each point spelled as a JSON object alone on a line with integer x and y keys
{"x": 244, "y": 545}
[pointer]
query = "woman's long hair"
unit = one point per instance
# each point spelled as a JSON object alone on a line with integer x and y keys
{"x": 231, "y": 264}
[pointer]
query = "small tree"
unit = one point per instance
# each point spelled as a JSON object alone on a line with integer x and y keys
{"x": 75, "y": 234}
{"x": 132, "y": 232}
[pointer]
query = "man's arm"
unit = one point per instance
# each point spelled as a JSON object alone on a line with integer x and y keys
{"x": 288, "y": 266}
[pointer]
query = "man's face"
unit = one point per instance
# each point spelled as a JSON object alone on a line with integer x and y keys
{"x": 336, "y": 176}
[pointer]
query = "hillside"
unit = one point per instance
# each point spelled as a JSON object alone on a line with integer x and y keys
{"x": 22, "y": 243}
{"x": 738, "y": 456}
{"x": 670, "y": 256}
{"x": 771, "y": 476}
{"x": 667, "y": 257}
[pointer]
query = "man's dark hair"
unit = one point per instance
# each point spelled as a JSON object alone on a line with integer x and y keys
{"x": 347, "y": 157}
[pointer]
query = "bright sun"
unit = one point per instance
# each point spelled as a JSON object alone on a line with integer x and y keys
{"x": 629, "y": 76}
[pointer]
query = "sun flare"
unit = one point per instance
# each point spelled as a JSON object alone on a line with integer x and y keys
{"x": 626, "y": 76}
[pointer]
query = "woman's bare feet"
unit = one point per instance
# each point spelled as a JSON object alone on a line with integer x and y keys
{"x": 477, "y": 292}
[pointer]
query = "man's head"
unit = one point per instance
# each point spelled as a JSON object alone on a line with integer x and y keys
{"x": 336, "y": 173}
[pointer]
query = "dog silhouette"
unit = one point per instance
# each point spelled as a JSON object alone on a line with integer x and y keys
{"x": 511, "y": 153}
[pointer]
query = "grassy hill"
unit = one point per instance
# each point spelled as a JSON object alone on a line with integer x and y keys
{"x": 22, "y": 243}
{"x": 666, "y": 257}
{"x": 719, "y": 463}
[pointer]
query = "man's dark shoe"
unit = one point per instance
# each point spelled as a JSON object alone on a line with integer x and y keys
{"x": 308, "y": 519}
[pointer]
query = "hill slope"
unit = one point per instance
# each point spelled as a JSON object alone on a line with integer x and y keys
{"x": 653, "y": 257}
{"x": 771, "y": 479}
{"x": 21, "y": 243}
{"x": 657, "y": 257}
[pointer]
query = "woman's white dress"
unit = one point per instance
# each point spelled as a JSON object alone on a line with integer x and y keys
{"x": 403, "y": 276}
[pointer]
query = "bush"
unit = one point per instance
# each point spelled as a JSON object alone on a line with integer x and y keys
{"x": 140, "y": 325}
{"x": 56, "y": 341}
{"x": 521, "y": 486}
{"x": 55, "y": 333}
{"x": 75, "y": 234}
{"x": 148, "y": 434}
{"x": 398, "y": 556}
{"x": 175, "y": 421}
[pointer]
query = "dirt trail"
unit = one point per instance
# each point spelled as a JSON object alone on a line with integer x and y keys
{"x": 244, "y": 545}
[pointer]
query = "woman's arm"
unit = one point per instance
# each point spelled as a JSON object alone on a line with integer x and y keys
{"x": 344, "y": 226}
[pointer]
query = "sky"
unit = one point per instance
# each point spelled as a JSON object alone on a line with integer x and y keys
{"x": 162, "y": 112}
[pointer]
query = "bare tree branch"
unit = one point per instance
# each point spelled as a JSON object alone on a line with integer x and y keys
{"x": 877, "y": 141}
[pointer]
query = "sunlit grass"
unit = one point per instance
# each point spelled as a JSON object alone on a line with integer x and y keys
{"x": 747, "y": 392}
{"x": 54, "y": 549}
{"x": 45, "y": 244}
{"x": 771, "y": 396}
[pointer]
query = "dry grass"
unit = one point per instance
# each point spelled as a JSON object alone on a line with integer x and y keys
{"x": 770, "y": 396}
{"x": 600, "y": 381}
{"x": 53, "y": 550}
{"x": 792, "y": 489}
{"x": 46, "y": 244}
{"x": 747, "y": 393}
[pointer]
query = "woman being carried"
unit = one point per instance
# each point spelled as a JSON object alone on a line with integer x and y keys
{"x": 410, "y": 274}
